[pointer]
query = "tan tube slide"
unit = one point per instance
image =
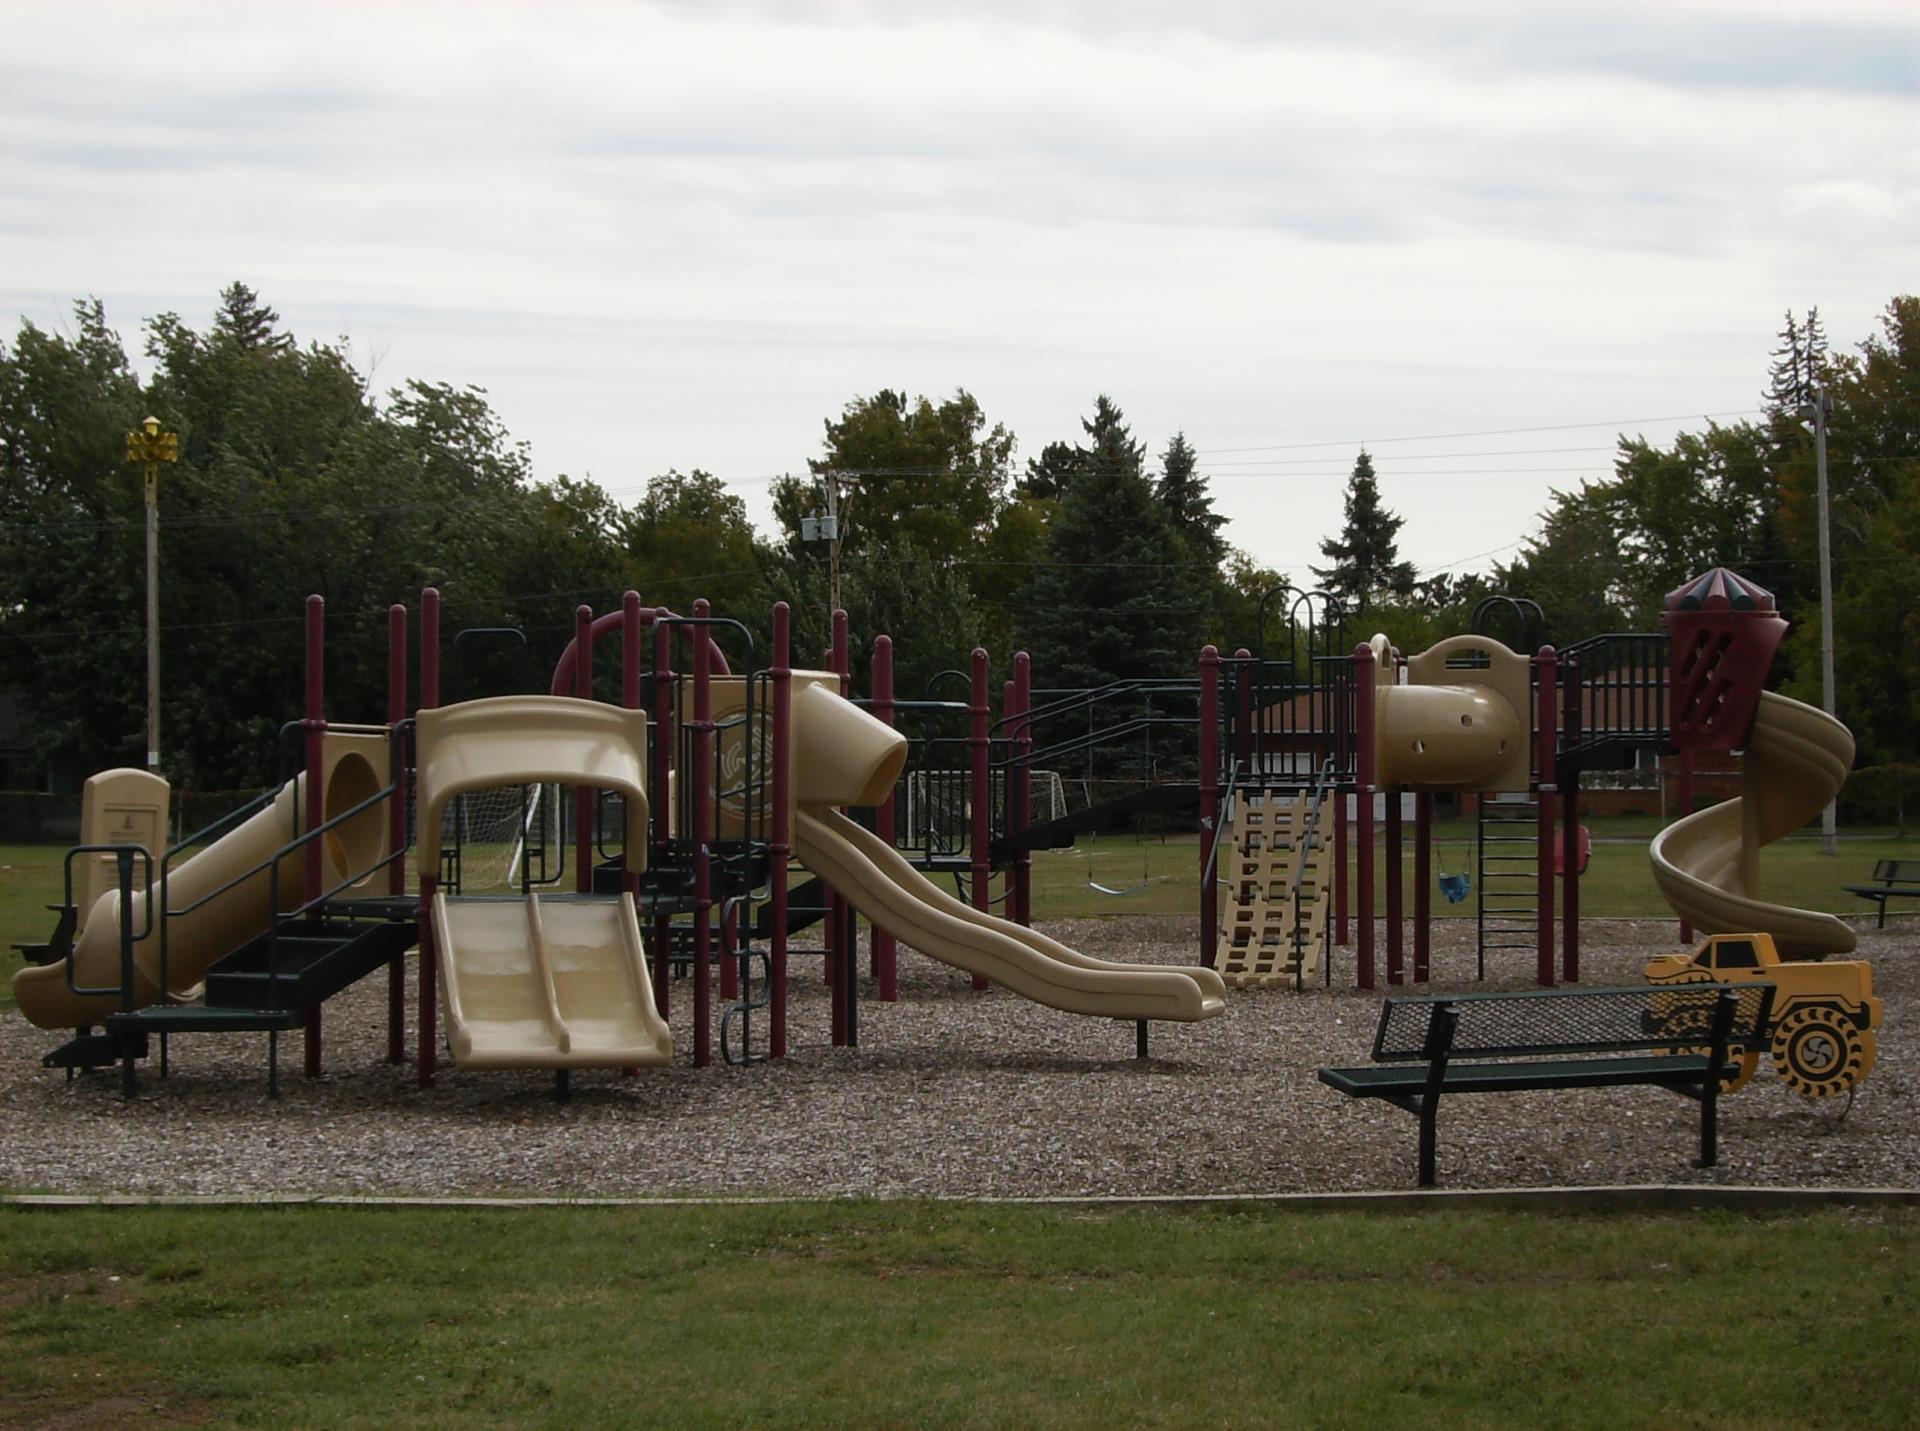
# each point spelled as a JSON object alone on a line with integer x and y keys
{"x": 885, "y": 887}
{"x": 1707, "y": 864}
{"x": 201, "y": 936}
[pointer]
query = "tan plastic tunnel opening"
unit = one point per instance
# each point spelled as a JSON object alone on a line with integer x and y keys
{"x": 355, "y": 847}
{"x": 842, "y": 755}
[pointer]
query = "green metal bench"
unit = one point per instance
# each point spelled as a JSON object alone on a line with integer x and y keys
{"x": 1892, "y": 879}
{"x": 1687, "y": 1039}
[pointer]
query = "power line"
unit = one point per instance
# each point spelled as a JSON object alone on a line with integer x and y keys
{"x": 1483, "y": 432}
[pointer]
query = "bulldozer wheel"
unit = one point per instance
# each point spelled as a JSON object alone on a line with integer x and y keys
{"x": 1817, "y": 1052}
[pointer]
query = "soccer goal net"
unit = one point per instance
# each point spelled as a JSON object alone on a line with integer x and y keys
{"x": 504, "y": 830}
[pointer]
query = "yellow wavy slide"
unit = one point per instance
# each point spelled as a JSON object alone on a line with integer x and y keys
{"x": 1707, "y": 864}
{"x": 883, "y": 885}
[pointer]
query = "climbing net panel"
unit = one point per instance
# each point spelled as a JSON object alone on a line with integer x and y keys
{"x": 1276, "y": 919}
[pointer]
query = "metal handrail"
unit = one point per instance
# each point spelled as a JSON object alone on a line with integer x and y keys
{"x": 1322, "y": 779}
{"x": 1207, "y": 874}
{"x": 271, "y": 864}
{"x": 124, "y": 862}
{"x": 277, "y": 919}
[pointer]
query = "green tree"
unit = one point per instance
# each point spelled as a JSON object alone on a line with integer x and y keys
{"x": 1365, "y": 557}
{"x": 689, "y": 537}
{"x": 1183, "y": 492}
{"x": 1874, "y": 482}
{"x": 933, "y": 475}
{"x": 1119, "y": 597}
{"x": 1570, "y": 569}
{"x": 72, "y": 544}
{"x": 1798, "y": 363}
{"x": 1049, "y": 475}
{"x": 292, "y": 479}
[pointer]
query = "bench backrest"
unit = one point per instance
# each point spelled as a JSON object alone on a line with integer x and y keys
{"x": 1638, "y": 1017}
{"x": 1897, "y": 871}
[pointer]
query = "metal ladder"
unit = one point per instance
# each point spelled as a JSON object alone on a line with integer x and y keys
{"x": 1507, "y": 859}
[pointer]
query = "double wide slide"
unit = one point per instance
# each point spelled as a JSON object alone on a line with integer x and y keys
{"x": 555, "y": 983}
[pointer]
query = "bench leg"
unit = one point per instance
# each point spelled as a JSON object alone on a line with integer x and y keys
{"x": 1883, "y": 916}
{"x": 1710, "y": 1122}
{"x": 1429, "y": 1119}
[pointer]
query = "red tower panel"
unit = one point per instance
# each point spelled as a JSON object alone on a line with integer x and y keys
{"x": 1722, "y": 632}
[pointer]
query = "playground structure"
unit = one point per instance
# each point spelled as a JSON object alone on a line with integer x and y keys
{"x": 686, "y": 810}
{"x": 1317, "y": 751}
{"x": 682, "y": 807}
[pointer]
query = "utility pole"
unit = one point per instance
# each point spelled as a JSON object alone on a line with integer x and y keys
{"x": 833, "y": 540}
{"x": 150, "y": 447}
{"x": 826, "y": 528}
{"x": 1820, "y": 410}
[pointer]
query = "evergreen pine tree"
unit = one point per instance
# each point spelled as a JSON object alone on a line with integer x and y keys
{"x": 1366, "y": 555}
{"x": 1051, "y": 473}
{"x": 1183, "y": 492}
{"x": 1798, "y": 364}
{"x": 1118, "y": 597}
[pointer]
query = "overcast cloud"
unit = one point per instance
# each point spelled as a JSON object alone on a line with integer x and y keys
{"x": 682, "y": 235}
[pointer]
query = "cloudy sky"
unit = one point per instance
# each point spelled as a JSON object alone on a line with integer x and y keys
{"x": 1482, "y": 238}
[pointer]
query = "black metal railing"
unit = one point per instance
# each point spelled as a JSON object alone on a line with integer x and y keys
{"x": 1324, "y": 780}
{"x": 1614, "y": 687}
{"x": 123, "y": 871}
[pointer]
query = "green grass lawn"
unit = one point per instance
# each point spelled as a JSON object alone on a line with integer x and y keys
{"x": 852, "y": 1314}
{"x": 1162, "y": 876}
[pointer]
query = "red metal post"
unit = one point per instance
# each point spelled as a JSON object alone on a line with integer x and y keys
{"x": 397, "y": 820}
{"x": 1363, "y": 803}
{"x": 664, "y": 736}
{"x": 584, "y": 796}
{"x": 980, "y": 837}
{"x": 1685, "y": 797}
{"x": 1422, "y": 884}
{"x": 1023, "y": 862}
{"x": 1570, "y": 827}
{"x": 702, "y": 794}
{"x": 886, "y": 957}
{"x": 429, "y": 879}
{"x": 840, "y": 960}
{"x": 1547, "y": 744}
{"x": 1331, "y": 714}
{"x": 1210, "y": 798}
{"x": 712, "y": 784}
{"x": 630, "y": 699}
{"x": 1396, "y": 886}
{"x": 782, "y": 823}
{"x": 316, "y": 731}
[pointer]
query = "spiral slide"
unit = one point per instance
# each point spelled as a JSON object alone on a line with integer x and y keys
{"x": 882, "y": 884}
{"x": 1707, "y": 864}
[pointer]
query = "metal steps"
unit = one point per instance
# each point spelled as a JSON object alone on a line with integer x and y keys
{"x": 303, "y": 963}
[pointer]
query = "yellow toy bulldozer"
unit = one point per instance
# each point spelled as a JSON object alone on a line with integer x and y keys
{"x": 1821, "y": 1033}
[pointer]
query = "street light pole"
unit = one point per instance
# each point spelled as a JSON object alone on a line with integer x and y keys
{"x": 1820, "y": 409}
{"x": 150, "y": 447}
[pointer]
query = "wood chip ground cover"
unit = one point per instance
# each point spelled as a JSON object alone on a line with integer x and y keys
{"x": 951, "y": 1093}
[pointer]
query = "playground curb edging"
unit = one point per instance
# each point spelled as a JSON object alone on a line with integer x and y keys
{"x": 1656, "y": 1197}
